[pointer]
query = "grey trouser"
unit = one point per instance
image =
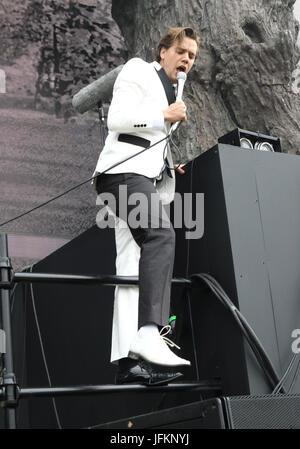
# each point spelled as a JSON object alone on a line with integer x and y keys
{"x": 156, "y": 239}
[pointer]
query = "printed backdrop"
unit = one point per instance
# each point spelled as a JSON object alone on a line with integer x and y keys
{"x": 48, "y": 51}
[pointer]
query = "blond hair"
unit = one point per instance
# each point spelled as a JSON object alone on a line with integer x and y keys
{"x": 173, "y": 35}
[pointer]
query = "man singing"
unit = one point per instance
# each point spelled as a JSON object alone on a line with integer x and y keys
{"x": 141, "y": 113}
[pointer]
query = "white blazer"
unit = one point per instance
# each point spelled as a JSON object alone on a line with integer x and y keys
{"x": 136, "y": 108}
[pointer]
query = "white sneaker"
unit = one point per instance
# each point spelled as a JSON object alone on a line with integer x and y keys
{"x": 155, "y": 350}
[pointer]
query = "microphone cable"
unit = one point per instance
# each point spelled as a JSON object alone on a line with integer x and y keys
{"x": 176, "y": 148}
{"x": 286, "y": 374}
{"x": 168, "y": 137}
{"x": 294, "y": 378}
{"x": 38, "y": 328}
{"x": 246, "y": 329}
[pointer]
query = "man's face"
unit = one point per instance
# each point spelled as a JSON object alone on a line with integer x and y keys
{"x": 179, "y": 57}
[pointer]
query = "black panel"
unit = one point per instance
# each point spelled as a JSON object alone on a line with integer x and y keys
{"x": 263, "y": 412}
{"x": 251, "y": 246}
{"x": 198, "y": 415}
{"x": 237, "y": 412}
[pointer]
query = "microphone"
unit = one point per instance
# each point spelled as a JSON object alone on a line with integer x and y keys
{"x": 101, "y": 89}
{"x": 181, "y": 79}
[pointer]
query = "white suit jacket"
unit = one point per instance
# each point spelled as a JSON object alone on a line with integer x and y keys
{"x": 136, "y": 108}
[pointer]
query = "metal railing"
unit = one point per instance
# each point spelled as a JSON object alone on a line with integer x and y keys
{"x": 11, "y": 393}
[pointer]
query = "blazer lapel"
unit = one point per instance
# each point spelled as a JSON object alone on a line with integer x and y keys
{"x": 167, "y": 85}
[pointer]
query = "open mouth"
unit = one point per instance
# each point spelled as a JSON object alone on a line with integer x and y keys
{"x": 181, "y": 68}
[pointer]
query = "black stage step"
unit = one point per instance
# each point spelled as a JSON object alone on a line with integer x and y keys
{"x": 237, "y": 412}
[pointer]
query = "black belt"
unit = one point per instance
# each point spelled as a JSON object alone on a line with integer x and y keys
{"x": 134, "y": 140}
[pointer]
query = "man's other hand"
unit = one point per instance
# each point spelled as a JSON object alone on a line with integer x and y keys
{"x": 178, "y": 167}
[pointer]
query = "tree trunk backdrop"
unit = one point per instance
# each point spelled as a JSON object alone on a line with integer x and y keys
{"x": 243, "y": 74}
{"x": 50, "y": 49}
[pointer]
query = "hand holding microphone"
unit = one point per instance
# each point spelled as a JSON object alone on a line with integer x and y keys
{"x": 176, "y": 112}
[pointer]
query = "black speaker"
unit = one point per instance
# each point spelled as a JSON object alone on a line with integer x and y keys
{"x": 237, "y": 412}
{"x": 262, "y": 412}
{"x": 249, "y": 139}
{"x": 198, "y": 415}
{"x": 251, "y": 246}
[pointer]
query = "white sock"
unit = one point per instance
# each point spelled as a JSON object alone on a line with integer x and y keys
{"x": 148, "y": 331}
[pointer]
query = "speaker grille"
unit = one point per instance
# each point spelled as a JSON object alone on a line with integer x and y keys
{"x": 263, "y": 412}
